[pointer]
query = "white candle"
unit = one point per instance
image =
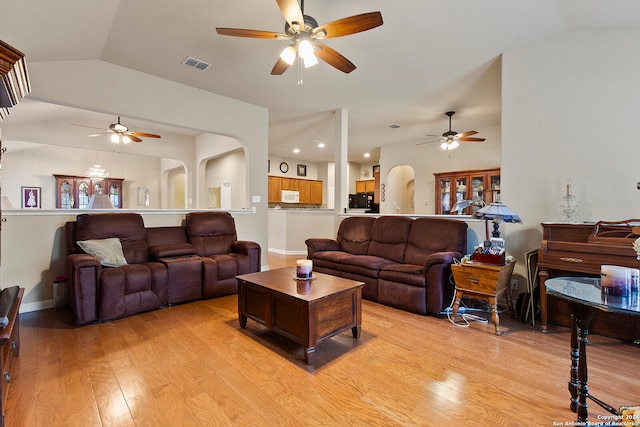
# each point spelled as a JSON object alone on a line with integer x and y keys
{"x": 568, "y": 186}
{"x": 304, "y": 268}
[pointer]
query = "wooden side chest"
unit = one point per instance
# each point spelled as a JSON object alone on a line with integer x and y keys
{"x": 10, "y": 347}
{"x": 485, "y": 281}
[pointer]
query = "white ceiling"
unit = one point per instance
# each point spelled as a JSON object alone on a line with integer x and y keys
{"x": 429, "y": 57}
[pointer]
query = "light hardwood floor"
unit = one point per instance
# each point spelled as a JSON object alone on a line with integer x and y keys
{"x": 192, "y": 365}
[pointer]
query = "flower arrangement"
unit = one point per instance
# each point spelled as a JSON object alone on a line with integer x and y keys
{"x": 636, "y": 247}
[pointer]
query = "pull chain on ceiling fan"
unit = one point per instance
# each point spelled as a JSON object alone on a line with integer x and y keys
{"x": 305, "y": 34}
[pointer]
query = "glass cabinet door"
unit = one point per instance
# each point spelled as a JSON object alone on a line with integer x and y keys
{"x": 114, "y": 195}
{"x": 66, "y": 195}
{"x": 445, "y": 197}
{"x": 494, "y": 194}
{"x": 83, "y": 194}
{"x": 477, "y": 194}
{"x": 461, "y": 189}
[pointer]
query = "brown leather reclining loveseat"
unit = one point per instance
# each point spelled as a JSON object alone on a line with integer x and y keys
{"x": 404, "y": 262}
{"x": 142, "y": 269}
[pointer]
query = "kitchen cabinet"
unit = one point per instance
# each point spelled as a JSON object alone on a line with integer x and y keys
{"x": 367, "y": 186}
{"x": 310, "y": 190}
{"x": 478, "y": 186}
{"x": 74, "y": 192}
{"x": 275, "y": 187}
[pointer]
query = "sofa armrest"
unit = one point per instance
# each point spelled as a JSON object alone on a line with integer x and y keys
{"x": 317, "y": 244}
{"x": 171, "y": 250}
{"x": 439, "y": 258}
{"x": 83, "y": 275}
{"x": 251, "y": 249}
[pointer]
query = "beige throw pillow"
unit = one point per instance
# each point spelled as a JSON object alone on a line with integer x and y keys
{"x": 108, "y": 251}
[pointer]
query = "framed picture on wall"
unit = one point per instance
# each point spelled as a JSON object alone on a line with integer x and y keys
{"x": 376, "y": 169}
{"x": 302, "y": 170}
{"x": 30, "y": 197}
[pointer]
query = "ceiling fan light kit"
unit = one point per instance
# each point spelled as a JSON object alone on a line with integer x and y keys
{"x": 305, "y": 33}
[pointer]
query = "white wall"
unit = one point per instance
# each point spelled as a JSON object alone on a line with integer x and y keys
{"x": 571, "y": 108}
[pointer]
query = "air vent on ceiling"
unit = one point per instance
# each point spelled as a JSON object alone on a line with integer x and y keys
{"x": 196, "y": 63}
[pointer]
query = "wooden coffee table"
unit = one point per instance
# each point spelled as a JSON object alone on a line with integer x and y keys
{"x": 305, "y": 311}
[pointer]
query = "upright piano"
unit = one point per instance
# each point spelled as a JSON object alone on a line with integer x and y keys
{"x": 579, "y": 250}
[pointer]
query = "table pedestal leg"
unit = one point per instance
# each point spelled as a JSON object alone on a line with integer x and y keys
{"x": 573, "y": 381}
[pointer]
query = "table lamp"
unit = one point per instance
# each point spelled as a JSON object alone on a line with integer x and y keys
{"x": 496, "y": 212}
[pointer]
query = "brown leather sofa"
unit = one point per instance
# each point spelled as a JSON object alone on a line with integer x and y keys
{"x": 163, "y": 265}
{"x": 404, "y": 262}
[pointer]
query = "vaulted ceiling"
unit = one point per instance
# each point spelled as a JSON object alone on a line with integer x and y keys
{"x": 429, "y": 57}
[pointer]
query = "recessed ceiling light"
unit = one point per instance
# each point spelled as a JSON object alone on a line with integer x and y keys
{"x": 367, "y": 155}
{"x": 321, "y": 144}
{"x": 296, "y": 150}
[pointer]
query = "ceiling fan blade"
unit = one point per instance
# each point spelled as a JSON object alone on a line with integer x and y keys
{"x": 465, "y": 134}
{"x": 350, "y": 25}
{"x": 96, "y": 134}
{"x": 133, "y": 137}
{"x": 472, "y": 139}
{"x": 143, "y": 134}
{"x": 254, "y": 34}
{"x": 279, "y": 68}
{"x": 292, "y": 13}
{"x": 85, "y": 126}
{"x": 333, "y": 58}
{"x": 428, "y": 142}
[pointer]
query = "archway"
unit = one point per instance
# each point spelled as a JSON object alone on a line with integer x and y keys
{"x": 399, "y": 191}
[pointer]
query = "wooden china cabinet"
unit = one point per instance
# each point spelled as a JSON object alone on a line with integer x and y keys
{"x": 480, "y": 186}
{"x": 74, "y": 192}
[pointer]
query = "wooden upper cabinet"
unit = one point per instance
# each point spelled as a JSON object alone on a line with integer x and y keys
{"x": 368, "y": 186}
{"x": 310, "y": 190}
{"x": 316, "y": 192}
{"x": 275, "y": 187}
{"x": 304, "y": 187}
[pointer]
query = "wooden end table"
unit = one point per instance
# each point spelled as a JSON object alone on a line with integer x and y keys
{"x": 304, "y": 311}
{"x": 484, "y": 281}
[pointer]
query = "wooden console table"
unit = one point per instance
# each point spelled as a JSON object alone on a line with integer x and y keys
{"x": 9, "y": 348}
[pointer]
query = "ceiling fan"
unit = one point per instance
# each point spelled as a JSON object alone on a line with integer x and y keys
{"x": 451, "y": 140}
{"x": 305, "y": 34}
{"x": 120, "y": 133}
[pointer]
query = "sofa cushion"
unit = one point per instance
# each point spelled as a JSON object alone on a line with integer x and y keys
{"x": 431, "y": 235}
{"x": 354, "y": 234}
{"x": 389, "y": 236}
{"x": 107, "y": 251}
{"x": 409, "y": 274}
{"x": 128, "y": 227}
{"x": 366, "y": 265}
{"x": 211, "y": 233}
